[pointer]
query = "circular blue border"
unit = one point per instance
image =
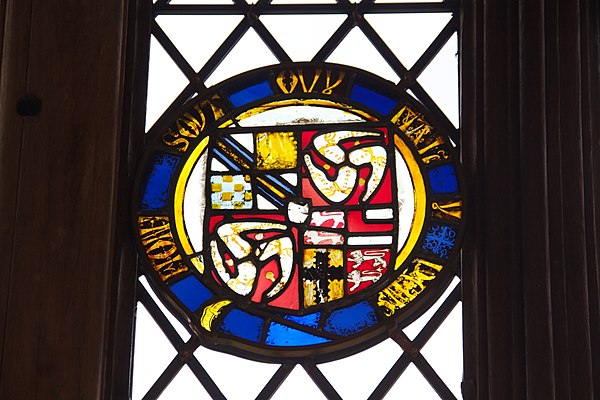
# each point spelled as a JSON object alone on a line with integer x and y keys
{"x": 244, "y": 331}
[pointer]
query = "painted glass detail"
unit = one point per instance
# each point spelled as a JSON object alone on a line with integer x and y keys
{"x": 299, "y": 211}
{"x": 440, "y": 240}
{"x": 157, "y": 187}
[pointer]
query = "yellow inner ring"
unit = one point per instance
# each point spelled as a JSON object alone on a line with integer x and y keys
{"x": 420, "y": 197}
{"x": 180, "y": 192}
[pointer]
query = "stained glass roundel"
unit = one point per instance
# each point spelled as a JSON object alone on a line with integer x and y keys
{"x": 299, "y": 210}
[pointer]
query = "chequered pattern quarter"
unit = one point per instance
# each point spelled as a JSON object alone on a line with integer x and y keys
{"x": 230, "y": 192}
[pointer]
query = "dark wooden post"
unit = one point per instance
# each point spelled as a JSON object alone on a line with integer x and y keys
{"x": 68, "y": 97}
{"x": 532, "y": 146}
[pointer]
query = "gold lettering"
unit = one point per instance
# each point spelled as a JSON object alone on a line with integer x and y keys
{"x": 158, "y": 241}
{"x": 217, "y": 111}
{"x": 328, "y": 87}
{"x": 172, "y": 268}
{"x": 407, "y": 286}
{"x": 288, "y": 81}
{"x": 190, "y": 126}
{"x": 314, "y": 82}
{"x": 396, "y": 296}
{"x": 405, "y": 118}
{"x": 440, "y": 155}
{"x": 168, "y": 264}
{"x": 420, "y": 262}
{"x": 161, "y": 249}
{"x": 417, "y": 134}
{"x": 170, "y": 139}
{"x": 152, "y": 227}
{"x": 282, "y": 79}
{"x": 413, "y": 125}
{"x": 451, "y": 210}
{"x": 437, "y": 142}
{"x": 419, "y": 275}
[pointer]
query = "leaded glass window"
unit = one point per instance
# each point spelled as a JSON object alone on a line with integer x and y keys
{"x": 300, "y": 213}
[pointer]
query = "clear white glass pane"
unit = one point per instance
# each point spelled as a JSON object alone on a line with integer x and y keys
{"x": 185, "y": 386}
{"x": 440, "y": 79}
{"x": 444, "y": 351}
{"x": 302, "y": 36}
{"x": 181, "y": 330}
{"x": 151, "y": 355}
{"x": 357, "y": 51}
{"x": 410, "y": 92}
{"x": 408, "y": 35}
{"x": 238, "y": 378}
{"x": 249, "y": 53}
{"x": 356, "y": 377}
{"x": 414, "y": 329}
{"x": 412, "y": 385}
{"x": 298, "y": 385}
{"x": 165, "y": 83}
{"x": 197, "y": 37}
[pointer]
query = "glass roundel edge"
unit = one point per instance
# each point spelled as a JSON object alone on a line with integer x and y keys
{"x": 442, "y": 222}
